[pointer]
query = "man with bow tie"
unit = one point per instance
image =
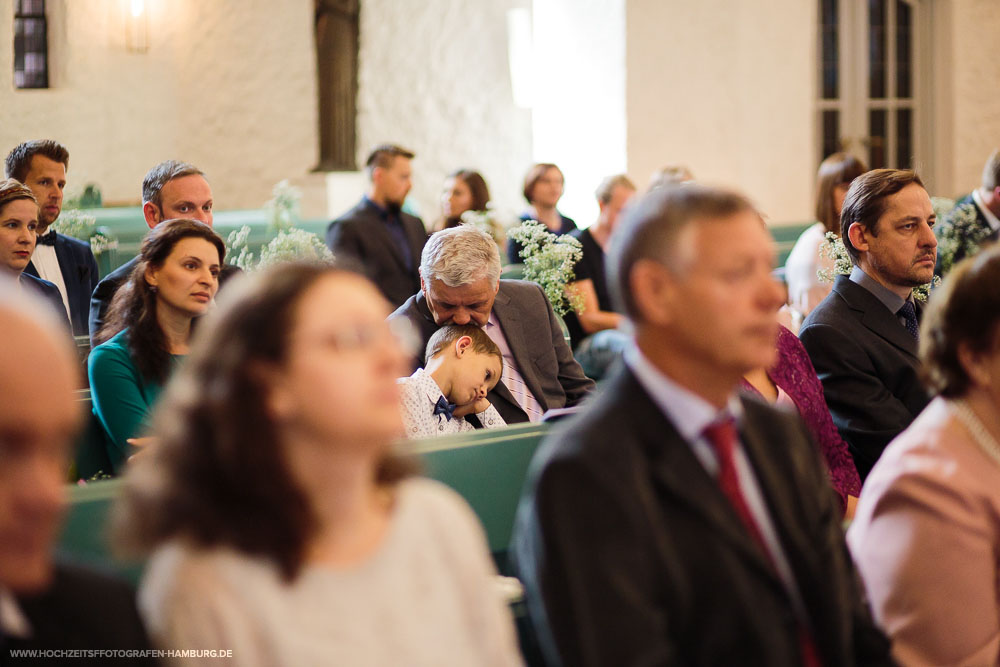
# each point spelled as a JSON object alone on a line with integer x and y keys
{"x": 66, "y": 262}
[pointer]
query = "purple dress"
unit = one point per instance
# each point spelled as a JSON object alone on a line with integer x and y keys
{"x": 794, "y": 374}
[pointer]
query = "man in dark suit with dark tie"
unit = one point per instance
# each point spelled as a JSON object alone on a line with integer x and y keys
{"x": 460, "y": 284}
{"x": 377, "y": 233}
{"x": 862, "y": 338}
{"x": 64, "y": 261}
{"x": 46, "y": 605}
{"x": 672, "y": 521}
{"x": 973, "y": 222}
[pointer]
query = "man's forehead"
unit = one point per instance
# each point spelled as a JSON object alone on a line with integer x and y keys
{"x": 187, "y": 187}
{"x": 44, "y": 165}
{"x": 468, "y": 293}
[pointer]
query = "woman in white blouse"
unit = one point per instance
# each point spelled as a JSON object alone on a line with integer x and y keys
{"x": 805, "y": 290}
{"x": 283, "y": 526}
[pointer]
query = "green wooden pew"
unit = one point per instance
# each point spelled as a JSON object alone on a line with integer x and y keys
{"x": 487, "y": 468}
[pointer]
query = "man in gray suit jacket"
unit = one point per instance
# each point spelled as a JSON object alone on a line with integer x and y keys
{"x": 377, "y": 233}
{"x": 460, "y": 283}
{"x": 672, "y": 522}
{"x": 862, "y": 338}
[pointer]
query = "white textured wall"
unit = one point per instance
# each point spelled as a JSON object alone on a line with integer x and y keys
{"x": 434, "y": 78}
{"x": 973, "y": 98}
{"x": 226, "y": 84}
{"x": 725, "y": 87}
{"x": 579, "y": 113}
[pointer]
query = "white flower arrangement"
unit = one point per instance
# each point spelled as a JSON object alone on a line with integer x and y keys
{"x": 283, "y": 207}
{"x": 834, "y": 249}
{"x": 290, "y": 245}
{"x": 294, "y": 245}
{"x": 549, "y": 260}
{"x": 83, "y": 226}
{"x": 959, "y": 235}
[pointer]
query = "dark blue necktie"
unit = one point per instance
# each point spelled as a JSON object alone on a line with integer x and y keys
{"x": 443, "y": 407}
{"x": 909, "y": 315}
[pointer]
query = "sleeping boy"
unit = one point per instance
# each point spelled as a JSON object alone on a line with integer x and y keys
{"x": 463, "y": 365}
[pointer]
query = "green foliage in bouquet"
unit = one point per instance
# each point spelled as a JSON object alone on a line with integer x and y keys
{"x": 549, "y": 260}
{"x": 959, "y": 235}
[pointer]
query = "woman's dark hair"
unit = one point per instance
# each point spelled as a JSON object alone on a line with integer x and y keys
{"x": 533, "y": 176}
{"x": 480, "y": 195}
{"x": 218, "y": 476}
{"x": 965, "y": 310}
{"x": 134, "y": 305}
{"x": 836, "y": 169}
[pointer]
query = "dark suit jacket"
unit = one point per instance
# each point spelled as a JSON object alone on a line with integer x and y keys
{"x": 79, "y": 271}
{"x": 105, "y": 292}
{"x": 536, "y": 341}
{"x": 868, "y": 364}
{"x": 361, "y": 233}
{"x": 631, "y": 554}
{"x": 83, "y": 610}
{"x": 48, "y": 292}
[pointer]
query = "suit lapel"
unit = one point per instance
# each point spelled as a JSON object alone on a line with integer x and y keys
{"x": 875, "y": 316}
{"x": 509, "y": 319}
{"x": 780, "y": 495}
{"x": 677, "y": 471}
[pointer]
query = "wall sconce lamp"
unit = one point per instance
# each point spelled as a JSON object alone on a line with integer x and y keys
{"x": 136, "y": 27}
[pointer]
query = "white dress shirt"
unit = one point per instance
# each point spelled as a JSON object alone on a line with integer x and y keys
{"x": 47, "y": 265}
{"x": 13, "y": 622}
{"x": 419, "y": 394}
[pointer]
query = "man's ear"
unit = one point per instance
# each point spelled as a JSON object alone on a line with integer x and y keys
{"x": 653, "y": 287}
{"x": 858, "y": 234}
{"x": 152, "y": 214}
{"x": 462, "y": 345}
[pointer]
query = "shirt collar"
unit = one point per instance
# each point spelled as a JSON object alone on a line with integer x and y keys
{"x": 13, "y": 622}
{"x": 428, "y": 385}
{"x": 687, "y": 411}
{"x": 381, "y": 210}
{"x": 889, "y": 299}
{"x": 991, "y": 219}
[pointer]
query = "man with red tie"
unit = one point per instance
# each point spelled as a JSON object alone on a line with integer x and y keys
{"x": 673, "y": 521}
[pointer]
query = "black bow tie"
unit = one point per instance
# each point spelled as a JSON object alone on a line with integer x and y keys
{"x": 47, "y": 239}
{"x": 443, "y": 407}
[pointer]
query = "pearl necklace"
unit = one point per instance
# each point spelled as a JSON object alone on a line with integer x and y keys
{"x": 980, "y": 434}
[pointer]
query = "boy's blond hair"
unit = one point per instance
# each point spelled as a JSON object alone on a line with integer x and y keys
{"x": 447, "y": 335}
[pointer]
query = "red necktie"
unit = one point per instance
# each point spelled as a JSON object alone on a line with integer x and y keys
{"x": 722, "y": 436}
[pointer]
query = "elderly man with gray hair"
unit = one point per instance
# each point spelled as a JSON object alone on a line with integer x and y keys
{"x": 460, "y": 283}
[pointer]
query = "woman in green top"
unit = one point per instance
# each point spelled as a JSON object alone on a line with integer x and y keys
{"x": 149, "y": 326}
